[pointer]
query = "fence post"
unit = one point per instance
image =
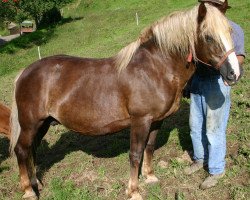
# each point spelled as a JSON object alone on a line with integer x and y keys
{"x": 137, "y": 18}
{"x": 39, "y": 53}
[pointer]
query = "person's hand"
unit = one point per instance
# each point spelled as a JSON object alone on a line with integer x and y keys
{"x": 225, "y": 83}
{"x": 241, "y": 73}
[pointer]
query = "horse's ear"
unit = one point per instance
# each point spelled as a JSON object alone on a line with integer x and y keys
{"x": 202, "y": 12}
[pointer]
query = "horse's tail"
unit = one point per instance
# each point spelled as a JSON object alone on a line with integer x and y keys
{"x": 15, "y": 128}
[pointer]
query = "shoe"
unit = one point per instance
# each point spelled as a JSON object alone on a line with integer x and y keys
{"x": 211, "y": 181}
{"x": 194, "y": 167}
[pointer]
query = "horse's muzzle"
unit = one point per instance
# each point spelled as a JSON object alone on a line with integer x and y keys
{"x": 231, "y": 78}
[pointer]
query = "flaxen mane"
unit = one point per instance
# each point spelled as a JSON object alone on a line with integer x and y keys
{"x": 177, "y": 34}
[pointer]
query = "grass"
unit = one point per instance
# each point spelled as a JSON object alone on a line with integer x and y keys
{"x": 78, "y": 167}
{"x": 3, "y": 31}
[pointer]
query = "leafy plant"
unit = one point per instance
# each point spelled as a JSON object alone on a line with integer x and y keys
{"x": 42, "y": 12}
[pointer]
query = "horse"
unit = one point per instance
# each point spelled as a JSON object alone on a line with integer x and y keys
{"x": 137, "y": 88}
{"x": 5, "y": 120}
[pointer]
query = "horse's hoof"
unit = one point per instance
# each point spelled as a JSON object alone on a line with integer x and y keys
{"x": 30, "y": 196}
{"x": 136, "y": 196}
{"x": 39, "y": 185}
{"x": 151, "y": 179}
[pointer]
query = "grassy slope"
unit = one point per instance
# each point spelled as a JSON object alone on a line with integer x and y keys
{"x": 78, "y": 167}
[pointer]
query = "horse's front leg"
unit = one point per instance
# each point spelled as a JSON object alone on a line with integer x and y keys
{"x": 147, "y": 169}
{"x": 138, "y": 137}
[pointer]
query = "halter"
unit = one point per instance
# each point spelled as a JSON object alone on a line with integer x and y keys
{"x": 218, "y": 65}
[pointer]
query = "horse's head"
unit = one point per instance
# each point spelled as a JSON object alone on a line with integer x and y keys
{"x": 214, "y": 43}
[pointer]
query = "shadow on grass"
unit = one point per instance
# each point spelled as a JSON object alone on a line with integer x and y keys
{"x": 103, "y": 146}
{"x": 179, "y": 121}
{"x": 36, "y": 38}
{"x": 109, "y": 146}
{"x": 26, "y": 41}
{"x": 182, "y": 124}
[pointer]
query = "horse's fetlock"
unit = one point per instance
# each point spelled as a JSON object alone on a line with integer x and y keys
{"x": 25, "y": 184}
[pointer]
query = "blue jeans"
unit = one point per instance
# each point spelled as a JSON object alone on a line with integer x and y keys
{"x": 209, "y": 113}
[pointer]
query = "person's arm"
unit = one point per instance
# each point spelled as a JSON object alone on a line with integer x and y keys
{"x": 238, "y": 40}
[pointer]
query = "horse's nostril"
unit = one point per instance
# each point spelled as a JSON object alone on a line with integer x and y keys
{"x": 231, "y": 76}
{"x": 232, "y": 72}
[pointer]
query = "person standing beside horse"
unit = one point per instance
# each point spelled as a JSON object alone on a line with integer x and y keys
{"x": 209, "y": 110}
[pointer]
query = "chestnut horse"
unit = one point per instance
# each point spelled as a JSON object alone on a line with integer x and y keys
{"x": 5, "y": 120}
{"x": 137, "y": 88}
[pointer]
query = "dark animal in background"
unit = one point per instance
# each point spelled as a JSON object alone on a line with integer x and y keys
{"x": 4, "y": 120}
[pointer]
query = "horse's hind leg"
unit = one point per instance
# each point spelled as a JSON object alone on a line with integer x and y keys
{"x": 147, "y": 169}
{"x": 23, "y": 150}
{"x": 138, "y": 137}
{"x": 37, "y": 141}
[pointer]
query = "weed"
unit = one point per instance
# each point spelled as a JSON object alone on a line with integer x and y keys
{"x": 238, "y": 192}
{"x": 65, "y": 190}
{"x": 101, "y": 171}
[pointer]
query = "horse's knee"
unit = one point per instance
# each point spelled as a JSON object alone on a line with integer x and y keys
{"x": 135, "y": 157}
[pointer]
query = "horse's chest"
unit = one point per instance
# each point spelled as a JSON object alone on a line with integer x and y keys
{"x": 172, "y": 98}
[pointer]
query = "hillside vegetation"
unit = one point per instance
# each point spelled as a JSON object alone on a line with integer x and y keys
{"x": 79, "y": 167}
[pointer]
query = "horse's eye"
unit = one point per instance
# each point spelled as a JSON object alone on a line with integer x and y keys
{"x": 209, "y": 39}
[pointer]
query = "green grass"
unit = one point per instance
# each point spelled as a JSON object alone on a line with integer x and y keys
{"x": 64, "y": 190}
{"x": 4, "y": 31}
{"x": 78, "y": 167}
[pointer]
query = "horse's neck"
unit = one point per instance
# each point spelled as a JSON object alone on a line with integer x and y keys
{"x": 172, "y": 63}
{"x": 181, "y": 70}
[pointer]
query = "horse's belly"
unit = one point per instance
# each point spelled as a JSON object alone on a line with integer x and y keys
{"x": 92, "y": 117}
{"x": 97, "y": 128}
